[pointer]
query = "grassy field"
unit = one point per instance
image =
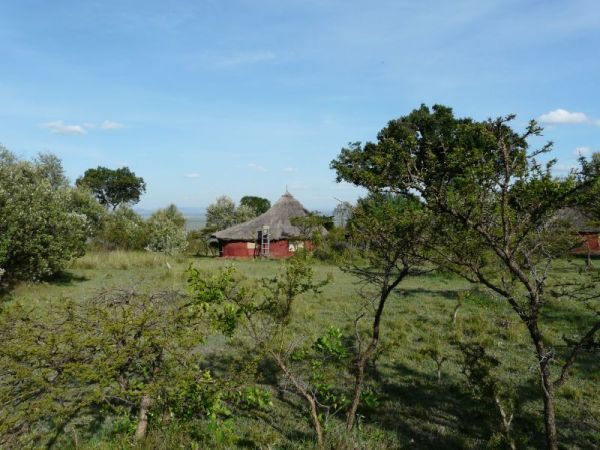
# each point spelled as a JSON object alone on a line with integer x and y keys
{"x": 415, "y": 410}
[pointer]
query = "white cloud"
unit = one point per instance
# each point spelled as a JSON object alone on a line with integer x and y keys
{"x": 192, "y": 175}
{"x": 582, "y": 151}
{"x": 290, "y": 169}
{"x": 563, "y": 116}
{"x": 245, "y": 58}
{"x": 257, "y": 167}
{"x": 110, "y": 125}
{"x": 59, "y": 127}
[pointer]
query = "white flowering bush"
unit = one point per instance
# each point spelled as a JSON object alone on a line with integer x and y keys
{"x": 166, "y": 232}
{"x": 39, "y": 230}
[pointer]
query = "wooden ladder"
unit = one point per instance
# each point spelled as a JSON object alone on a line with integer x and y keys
{"x": 265, "y": 242}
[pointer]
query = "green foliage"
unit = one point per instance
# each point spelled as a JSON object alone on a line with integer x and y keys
{"x": 334, "y": 246}
{"x": 492, "y": 211}
{"x": 40, "y": 230}
{"x": 265, "y": 309}
{"x": 312, "y": 227}
{"x": 387, "y": 231}
{"x": 166, "y": 231}
{"x": 84, "y": 361}
{"x": 199, "y": 243}
{"x": 50, "y": 167}
{"x": 258, "y": 204}
{"x": 199, "y": 397}
{"x": 123, "y": 229}
{"x": 256, "y": 399}
{"x": 113, "y": 187}
{"x": 83, "y": 202}
{"x": 410, "y": 403}
{"x": 170, "y": 213}
{"x": 331, "y": 344}
{"x": 223, "y": 213}
{"x": 480, "y": 369}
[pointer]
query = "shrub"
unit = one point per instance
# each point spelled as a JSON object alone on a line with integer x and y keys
{"x": 199, "y": 243}
{"x": 166, "y": 235}
{"x": 123, "y": 229}
{"x": 39, "y": 230}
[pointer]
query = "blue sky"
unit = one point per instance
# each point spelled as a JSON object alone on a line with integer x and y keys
{"x": 212, "y": 97}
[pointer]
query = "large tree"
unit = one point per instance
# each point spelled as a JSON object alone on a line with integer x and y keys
{"x": 493, "y": 207}
{"x": 43, "y": 223}
{"x": 113, "y": 187}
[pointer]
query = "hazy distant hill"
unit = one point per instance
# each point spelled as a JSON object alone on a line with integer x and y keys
{"x": 195, "y": 216}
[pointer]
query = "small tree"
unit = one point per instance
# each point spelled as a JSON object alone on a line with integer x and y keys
{"x": 265, "y": 311}
{"x": 258, "y": 204}
{"x": 223, "y": 213}
{"x": 388, "y": 231}
{"x": 113, "y": 187}
{"x": 492, "y": 206}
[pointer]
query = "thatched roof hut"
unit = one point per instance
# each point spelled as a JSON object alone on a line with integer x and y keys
{"x": 578, "y": 219}
{"x": 586, "y": 226}
{"x": 245, "y": 239}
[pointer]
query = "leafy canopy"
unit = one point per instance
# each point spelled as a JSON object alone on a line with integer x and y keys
{"x": 113, "y": 187}
{"x": 43, "y": 221}
{"x": 258, "y": 204}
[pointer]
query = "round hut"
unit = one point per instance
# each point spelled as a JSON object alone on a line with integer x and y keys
{"x": 270, "y": 235}
{"x": 586, "y": 226}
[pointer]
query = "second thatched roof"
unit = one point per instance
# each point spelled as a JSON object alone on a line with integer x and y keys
{"x": 578, "y": 219}
{"x": 278, "y": 218}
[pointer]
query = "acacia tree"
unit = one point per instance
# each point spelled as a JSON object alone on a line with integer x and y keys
{"x": 492, "y": 205}
{"x": 388, "y": 230}
{"x": 113, "y": 187}
{"x": 119, "y": 354}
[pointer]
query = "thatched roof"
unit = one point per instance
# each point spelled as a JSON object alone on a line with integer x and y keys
{"x": 277, "y": 218}
{"x": 578, "y": 219}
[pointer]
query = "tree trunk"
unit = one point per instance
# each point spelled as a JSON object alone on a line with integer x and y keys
{"x": 549, "y": 415}
{"x": 314, "y": 413}
{"x": 140, "y": 432}
{"x": 546, "y": 385}
{"x": 506, "y": 422}
{"x": 359, "y": 378}
{"x": 362, "y": 360}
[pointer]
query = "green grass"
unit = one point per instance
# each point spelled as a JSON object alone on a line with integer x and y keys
{"x": 415, "y": 410}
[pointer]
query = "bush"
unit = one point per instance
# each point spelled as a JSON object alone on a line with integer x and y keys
{"x": 123, "y": 229}
{"x": 334, "y": 247}
{"x": 199, "y": 243}
{"x": 39, "y": 230}
{"x": 166, "y": 234}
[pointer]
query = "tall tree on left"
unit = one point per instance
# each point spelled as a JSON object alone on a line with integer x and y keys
{"x": 44, "y": 222}
{"x": 113, "y": 187}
